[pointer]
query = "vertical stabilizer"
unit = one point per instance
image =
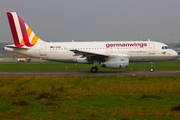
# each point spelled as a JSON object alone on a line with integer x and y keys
{"x": 21, "y": 33}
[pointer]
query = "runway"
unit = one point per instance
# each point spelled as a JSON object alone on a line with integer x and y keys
{"x": 99, "y": 73}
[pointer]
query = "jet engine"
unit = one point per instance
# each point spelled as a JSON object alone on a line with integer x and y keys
{"x": 116, "y": 63}
{"x": 82, "y": 60}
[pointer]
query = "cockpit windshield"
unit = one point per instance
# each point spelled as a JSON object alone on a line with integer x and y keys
{"x": 165, "y": 47}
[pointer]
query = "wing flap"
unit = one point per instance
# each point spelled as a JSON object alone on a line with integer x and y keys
{"x": 90, "y": 55}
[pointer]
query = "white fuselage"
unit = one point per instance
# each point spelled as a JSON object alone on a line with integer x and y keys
{"x": 138, "y": 51}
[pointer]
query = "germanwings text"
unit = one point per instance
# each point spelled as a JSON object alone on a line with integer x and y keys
{"x": 127, "y": 45}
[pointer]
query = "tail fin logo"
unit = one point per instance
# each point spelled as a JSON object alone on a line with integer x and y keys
{"x": 163, "y": 52}
{"x": 21, "y": 32}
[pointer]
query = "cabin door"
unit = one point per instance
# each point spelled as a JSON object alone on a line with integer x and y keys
{"x": 43, "y": 50}
{"x": 151, "y": 48}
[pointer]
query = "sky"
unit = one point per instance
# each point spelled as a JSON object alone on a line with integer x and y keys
{"x": 95, "y": 20}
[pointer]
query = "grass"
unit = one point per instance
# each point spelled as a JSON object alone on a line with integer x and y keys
{"x": 86, "y": 98}
{"x": 56, "y": 66}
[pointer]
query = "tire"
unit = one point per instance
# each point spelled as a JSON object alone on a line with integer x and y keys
{"x": 29, "y": 60}
{"x": 151, "y": 69}
{"x": 94, "y": 69}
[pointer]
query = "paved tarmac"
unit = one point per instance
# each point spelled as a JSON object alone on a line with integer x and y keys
{"x": 99, "y": 73}
{"x": 16, "y": 60}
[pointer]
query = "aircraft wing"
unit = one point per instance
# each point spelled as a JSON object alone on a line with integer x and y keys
{"x": 90, "y": 55}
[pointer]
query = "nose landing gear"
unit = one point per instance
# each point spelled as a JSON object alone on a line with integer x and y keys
{"x": 151, "y": 67}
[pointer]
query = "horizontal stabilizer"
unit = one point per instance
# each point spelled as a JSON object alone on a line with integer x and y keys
{"x": 13, "y": 46}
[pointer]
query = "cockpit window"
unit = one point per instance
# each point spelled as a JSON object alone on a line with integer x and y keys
{"x": 165, "y": 47}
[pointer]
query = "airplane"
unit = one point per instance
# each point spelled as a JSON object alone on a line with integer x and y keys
{"x": 110, "y": 54}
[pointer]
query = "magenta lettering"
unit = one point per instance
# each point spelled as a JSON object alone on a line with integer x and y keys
{"x": 126, "y": 45}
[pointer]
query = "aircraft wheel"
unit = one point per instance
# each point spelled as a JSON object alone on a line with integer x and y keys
{"x": 29, "y": 60}
{"x": 151, "y": 69}
{"x": 94, "y": 69}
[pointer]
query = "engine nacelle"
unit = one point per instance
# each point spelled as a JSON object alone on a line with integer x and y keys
{"x": 116, "y": 63}
{"x": 82, "y": 60}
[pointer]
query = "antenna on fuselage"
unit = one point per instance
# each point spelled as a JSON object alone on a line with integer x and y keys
{"x": 72, "y": 40}
{"x": 149, "y": 40}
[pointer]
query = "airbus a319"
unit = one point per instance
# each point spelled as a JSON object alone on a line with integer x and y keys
{"x": 112, "y": 54}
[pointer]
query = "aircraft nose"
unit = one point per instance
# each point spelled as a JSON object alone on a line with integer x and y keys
{"x": 175, "y": 54}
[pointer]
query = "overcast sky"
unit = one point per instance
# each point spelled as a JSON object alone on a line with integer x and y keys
{"x": 93, "y": 20}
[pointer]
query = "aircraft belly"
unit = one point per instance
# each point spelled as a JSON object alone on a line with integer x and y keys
{"x": 62, "y": 60}
{"x": 149, "y": 58}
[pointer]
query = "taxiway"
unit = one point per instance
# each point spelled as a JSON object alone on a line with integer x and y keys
{"x": 88, "y": 73}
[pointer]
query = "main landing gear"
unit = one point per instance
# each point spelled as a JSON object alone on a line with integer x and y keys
{"x": 151, "y": 67}
{"x": 94, "y": 69}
